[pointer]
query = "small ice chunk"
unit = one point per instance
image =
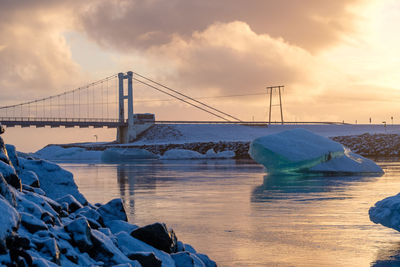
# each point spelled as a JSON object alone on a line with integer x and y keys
{"x": 59, "y": 153}
{"x": 111, "y": 155}
{"x": 387, "y": 212}
{"x": 182, "y": 154}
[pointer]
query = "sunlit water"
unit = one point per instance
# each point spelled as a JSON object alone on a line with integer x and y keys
{"x": 238, "y": 216}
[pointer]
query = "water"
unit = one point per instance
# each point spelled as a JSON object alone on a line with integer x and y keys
{"x": 238, "y": 216}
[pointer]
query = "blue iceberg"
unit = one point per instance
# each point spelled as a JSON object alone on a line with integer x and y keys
{"x": 299, "y": 150}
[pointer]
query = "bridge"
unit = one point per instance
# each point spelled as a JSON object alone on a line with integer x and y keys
{"x": 104, "y": 103}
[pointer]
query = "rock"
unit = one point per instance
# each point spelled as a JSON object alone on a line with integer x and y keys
{"x": 80, "y": 233}
{"x": 146, "y": 259}
{"x": 29, "y": 178}
{"x": 185, "y": 259}
{"x": 31, "y": 223}
{"x": 9, "y": 222}
{"x": 90, "y": 214}
{"x": 129, "y": 245}
{"x": 113, "y": 210}
{"x": 104, "y": 250}
{"x": 17, "y": 250}
{"x": 117, "y": 226}
{"x": 7, "y": 192}
{"x": 54, "y": 180}
{"x": 48, "y": 247}
{"x": 73, "y": 204}
{"x": 2, "y": 129}
{"x": 158, "y": 236}
{"x": 10, "y": 175}
{"x": 12, "y": 155}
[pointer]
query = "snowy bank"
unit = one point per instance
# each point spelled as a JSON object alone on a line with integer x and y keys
{"x": 45, "y": 221}
{"x": 299, "y": 150}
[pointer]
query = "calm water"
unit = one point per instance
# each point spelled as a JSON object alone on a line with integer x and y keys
{"x": 238, "y": 216}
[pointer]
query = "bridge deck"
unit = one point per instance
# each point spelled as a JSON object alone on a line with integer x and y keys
{"x": 57, "y": 122}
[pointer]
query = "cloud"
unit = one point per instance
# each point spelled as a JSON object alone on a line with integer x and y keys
{"x": 127, "y": 25}
{"x": 35, "y": 58}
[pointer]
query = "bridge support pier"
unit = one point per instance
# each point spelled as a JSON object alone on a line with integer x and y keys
{"x": 126, "y": 134}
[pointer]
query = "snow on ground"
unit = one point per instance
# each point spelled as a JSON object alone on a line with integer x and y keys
{"x": 299, "y": 150}
{"x": 190, "y": 133}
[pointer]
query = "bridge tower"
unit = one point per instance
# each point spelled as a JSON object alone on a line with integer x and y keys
{"x": 127, "y": 132}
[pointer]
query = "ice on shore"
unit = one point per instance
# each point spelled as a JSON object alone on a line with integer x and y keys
{"x": 58, "y": 153}
{"x": 300, "y": 150}
{"x": 112, "y": 155}
{"x": 174, "y": 154}
{"x": 118, "y": 154}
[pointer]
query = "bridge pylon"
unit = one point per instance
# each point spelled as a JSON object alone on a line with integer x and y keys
{"x": 125, "y": 133}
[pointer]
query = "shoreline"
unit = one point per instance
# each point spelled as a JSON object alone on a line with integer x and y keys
{"x": 367, "y": 145}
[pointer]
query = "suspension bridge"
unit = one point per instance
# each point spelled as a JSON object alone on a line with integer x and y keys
{"x": 105, "y": 103}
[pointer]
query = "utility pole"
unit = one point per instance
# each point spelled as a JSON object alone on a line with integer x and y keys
{"x": 271, "y": 89}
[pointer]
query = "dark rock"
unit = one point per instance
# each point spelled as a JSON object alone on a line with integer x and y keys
{"x": 29, "y": 178}
{"x": 73, "y": 204}
{"x": 185, "y": 259}
{"x": 12, "y": 155}
{"x": 80, "y": 233}
{"x": 146, "y": 259}
{"x": 91, "y": 214}
{"x": 113, "y": 210}
{"x": 48, "y": 247}
{"x": 105, "y": 250}
{"x": 158, "y": 236}
{"x": 31, "y": 223}
{"x": 7, "y": 192}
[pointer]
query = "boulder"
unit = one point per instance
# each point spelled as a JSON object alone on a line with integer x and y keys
{"x": 7, "y": 192}
{"x": 146, "y": 259}
{"x": 185, "y": 259}
{"x": 117, "y": 226}
{"x": 9, "y": 222}
{"x": 80, "y": 233}
{"x": 49, "y": 249}
{"x": 129, "y": 245}
{"x": 158, "y": 236}
{"x": 12, "y": 155}
{"x": 29, "y": 178}
{"x": 31, "y": 223}
{"x": 73, "y": 204}
{"x": 113, "y": 210}
{"x": 105, "y": 250}
{"x": 10, "y": 175}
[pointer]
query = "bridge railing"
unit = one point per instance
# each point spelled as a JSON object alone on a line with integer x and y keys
{"x": 47, "y": 119}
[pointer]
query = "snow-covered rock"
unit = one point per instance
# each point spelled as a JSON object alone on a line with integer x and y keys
{"x": 387, "y": 212}
{"x": 112, "y": 155}
{"x": 158, "y": 236}
{"x": 9, "y": 222}
{"x": 299, "y": 150}
{"x": 54, "y": 180}
{"x": 113, "y": 210}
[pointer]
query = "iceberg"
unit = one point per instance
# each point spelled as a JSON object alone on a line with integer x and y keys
{"x": 112, "y": 155}
{"x": 299, "y": 150}
{"x": 387, "y": 212}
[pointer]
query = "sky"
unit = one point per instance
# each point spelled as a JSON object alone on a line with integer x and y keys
{"x": 338, "y": 60}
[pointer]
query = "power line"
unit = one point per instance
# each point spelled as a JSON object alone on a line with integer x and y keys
{"x": 199, "y": 102}
{"x": 181, "y": 99}
{"x": 206, "y": 97}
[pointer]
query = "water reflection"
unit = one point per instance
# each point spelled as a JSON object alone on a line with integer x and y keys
{"x": 291, "y": 186}
{"x": 388, "y": 257}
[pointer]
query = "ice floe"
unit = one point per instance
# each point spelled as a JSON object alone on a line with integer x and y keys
{"x": 300, "y": 150}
